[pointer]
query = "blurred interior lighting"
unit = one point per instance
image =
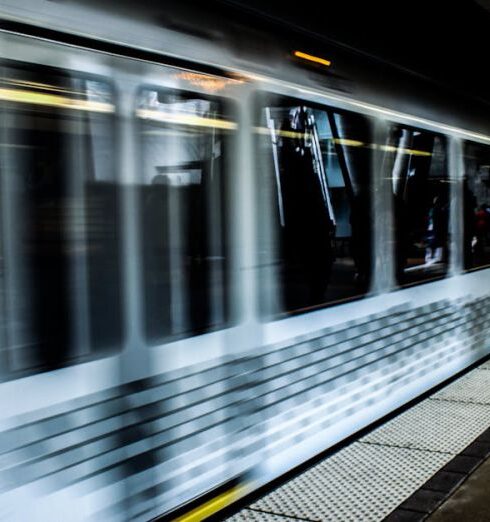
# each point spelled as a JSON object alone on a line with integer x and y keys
{"x": 412, "y": 152}
{"x": 348, "y": 142}
{"x": 295, "y": 135}
{"x": 186, "y": 119}
{"x": 53, "y": 100}
{"x": 311, "y": 58}
{"x": 41, "y": 86}
{"x": 206, "y": 82}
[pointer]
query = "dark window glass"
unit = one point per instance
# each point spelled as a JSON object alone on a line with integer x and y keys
{"x": 184, "y": 139}
{"x": 60, "y": 216}
{"x": 314, "y": 182}
{"x": 416, "y": 166}
{"x": 476, "y": 201}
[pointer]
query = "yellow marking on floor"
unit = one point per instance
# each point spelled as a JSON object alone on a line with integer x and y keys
{"x": 212, "y": 506}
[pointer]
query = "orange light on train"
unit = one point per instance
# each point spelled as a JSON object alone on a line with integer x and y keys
{"x": 207, "y": 82}
{"x": 311, "y": 58}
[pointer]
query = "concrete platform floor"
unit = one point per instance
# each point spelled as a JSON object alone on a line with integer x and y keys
{"x": 471, "y": 501}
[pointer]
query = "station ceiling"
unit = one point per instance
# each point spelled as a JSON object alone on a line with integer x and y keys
{"x": 444, "y": 41}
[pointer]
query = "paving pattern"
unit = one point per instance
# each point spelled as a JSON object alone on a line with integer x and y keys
{"x": 410, "y": 463}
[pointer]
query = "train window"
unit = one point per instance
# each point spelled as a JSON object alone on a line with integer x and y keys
{"x": 314, "y": 182}
{"x": 184, "y": 141}
{"x": 60, "y": 261}
{"x": 476, "y": 201}
{"x": 415, "y": 162}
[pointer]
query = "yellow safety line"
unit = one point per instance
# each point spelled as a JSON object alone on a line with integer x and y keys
{"x": 212, "y": 506}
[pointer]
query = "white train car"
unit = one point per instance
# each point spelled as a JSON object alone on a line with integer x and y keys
{"x": 220, "y": 255}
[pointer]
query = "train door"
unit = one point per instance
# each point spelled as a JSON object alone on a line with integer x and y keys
{"x": 63, "y": 273}
{"x": 125, "y": 308}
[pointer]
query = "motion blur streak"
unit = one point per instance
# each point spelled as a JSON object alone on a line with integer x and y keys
{"x": 53, "y": 100}
{"x": 216, "y": 260}
{"x": 186, "y": 119}
{"x": 206, "y": 82}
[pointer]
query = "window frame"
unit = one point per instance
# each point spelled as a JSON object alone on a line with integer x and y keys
{"x": 446, "y": 141}
{"x": 464, "y": 146}
{"x": 259, "y": 102}
{"x": 65, "y": 73}
{"x": 230, "y": 109}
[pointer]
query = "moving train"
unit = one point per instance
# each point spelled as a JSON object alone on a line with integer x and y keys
{"x": 221, "y": 253}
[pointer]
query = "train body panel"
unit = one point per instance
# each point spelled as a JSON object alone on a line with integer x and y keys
{"x": 182, "y": 312}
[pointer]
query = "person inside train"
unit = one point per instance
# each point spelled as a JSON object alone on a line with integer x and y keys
{"x": 481, "y": 230}
{"x": 437, "y": 231}
{"x": 469, "y": 204}
{"x": 306, "y": 244}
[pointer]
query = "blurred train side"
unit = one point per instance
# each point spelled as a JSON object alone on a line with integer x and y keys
{"x": 152, "y": 353}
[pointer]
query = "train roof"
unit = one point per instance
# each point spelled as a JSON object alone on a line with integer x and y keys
{"x": 217, "y": 38}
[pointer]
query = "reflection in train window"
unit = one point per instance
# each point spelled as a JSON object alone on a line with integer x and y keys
{"x": 415, "y": 164}
{"x": 315, "y": 184}
{"x": 60, "y": 263}
{"x": 184, "y": 140}
{"x": 476, "y": 201}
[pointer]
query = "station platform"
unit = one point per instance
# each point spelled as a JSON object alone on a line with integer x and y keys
{"x": 430, "y": 462}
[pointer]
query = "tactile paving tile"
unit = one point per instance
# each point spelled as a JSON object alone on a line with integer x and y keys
{"x": 362, "y": 482}
{"x": 434, "y": 426}
{"x": 249, "y": 515}
{"x": 473, "y": 387}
